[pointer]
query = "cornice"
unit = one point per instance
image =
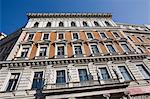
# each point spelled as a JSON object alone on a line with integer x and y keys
{"x": 68, "y": 15}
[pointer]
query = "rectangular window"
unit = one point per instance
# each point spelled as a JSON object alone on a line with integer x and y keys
{"x": 38, "y": 81}
{"x": 94, "y": 49}
{"x": 45, "y": 37}
{"x": 129, "y": 38}
{"x": 144, "y": 71}
{"x": 103, "y": 35}
{"x": 60, "y": 51}
{"x": 78, "y": 50}
{"x": 60, "y": 36}
{"x": 111, "y": 49}
{"x": 116, "y": 34}
{"x": 43, "y": 51}
{"x": 89, "y": 35}
{"x": 140, "y": 39}
{"x": 30, "y": 37}
{"x": 125, "y": 73}
{"x": 13, "y": 81}
{"x": 75, "y": 36}
{"x": 104, "y": 73}
{"x": 125, "y": 47}
{"x": 83, "y": 74}
{"x": 24, "y": 52}
{"x": 61, "y": 77}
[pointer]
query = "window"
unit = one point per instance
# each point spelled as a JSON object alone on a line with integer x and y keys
{"x": 111, "y": 49}
{"x": 83, "y": 74}
{"x": 140, "y": 39}
{"x": 73, "y": 24}
{"x": 144, "y": 71}
{"x": 60, "y": 51}
{"x": 96, "y": 23}
{"x": 45, "y": 37}
{"x": 141, "y": 50}
{"x": 125, "y": 47}
{"x": 85, "y": 24}
{"x": 30, "y": 37}
{"x": 103, "y": 35}
{"x": 13, "y": 81}
{"x": 36, "y": 25}
{"x": 116, "y": 34}
{"x": 61, "y": 24}
{"x": 48, "y": 24}
{"x": 61, "y": 77}
{"x": 75, "y": 36}
{"x": 24, "y": 52}
{"x": 78, "y": 50}
{"x": 89, "y": 35}
{"x": 104, "y": 73}
{"x": 94, "y": 49}
{"x": 107, "y": 23}
{"x": 43, "y": 51}
{"x": 38, "y": 81}
{"x": 129, "y": 38}
{"x": 125, "y": 73}
{"x": 60, "y": 36}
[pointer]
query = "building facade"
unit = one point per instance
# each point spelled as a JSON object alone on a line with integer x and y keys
{"x": 2, "y": 35}
{"x": 77, "y": 56}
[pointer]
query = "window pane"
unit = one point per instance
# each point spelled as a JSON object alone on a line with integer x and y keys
{"x": 24, "y": 52}
{"x": 61, "y": 24}
{"x": 103, "y": 35}
{"x": 75, "y": 36}
{"x": 73, "y": 24}
{"x": 83, "y": 74}
{"x": 13, "y": 81}
{"x": 48, "y": 24}
{"x": 61, "y": 50}
{"x": 94, "y": 49}
{"x": 61, "y": 77}
{"x": 143, "y": 71}
{"x": 60, "y": 36}
{"x": 96, "y": 23}
{"x": 107, "y": 23}
{"x": 38, "y": 81}
{"x": 43, "y": 51}
{"x": 111, "y": 49}
{"x": 85, "y": 24}
{"x": 89, "y": 35}
{"x": 78, "y": 50}
{"x": 125, "y": 47}
{"x": 45, "y": 36}
{"x": 104, "y": 73}
{"x": 125, "y": 73}
{"x": 30, "y": 37}
{"x": 116, "y": 34}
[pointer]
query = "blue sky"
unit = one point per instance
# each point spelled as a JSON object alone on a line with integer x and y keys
{"x": 13, "y": 12}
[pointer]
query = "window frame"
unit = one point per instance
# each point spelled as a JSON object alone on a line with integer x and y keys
{"x": 99, "y": 73}
{"x": 77, "y": 34}
{"x": 75, "y": 25}
{"x": 66, "y": 75}
{"x": 90, "y": 44}
{"x": 38, "y": 50}
{"x": 36, "y": 25}
{"x": 87, "y": 71}
{"x": 27, "y": 37}
{"x": 61, "y": 22}
{"x": 115, "y": 35}
{"x": 104, "y": 34}
{"x": 98, "y": 25}
{"x": 42, "y": 38}
{"x": 91, "y": 35}
{"x": 127, "y": 47}
{"x": 106, "y": 44}
{"x": 59, "y": 34}
{"x": 48, "y": 24}
{"x": 85, "y": 22}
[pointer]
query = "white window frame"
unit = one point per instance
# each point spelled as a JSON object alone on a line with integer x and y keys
{"x": 100, "y": 52}
{"x": 105, "y": 44}
{"x": 66, "y": 74}
{"x": 115, "y": 35}
{"x": 83, "y": 67}
{"x": 77, "y": 34}
{"x": 60, "y": 33}
{"x": 91, "y": 34}
{"x": 27, "y": 36}
{"x": 82, "y": 48}
{"x": 42, "y": 38}
{"x": 130, "y": 48}
{"x": 65, "y": 48}
{"x": 38, "y": 50}
{"x": 105, "y": 35}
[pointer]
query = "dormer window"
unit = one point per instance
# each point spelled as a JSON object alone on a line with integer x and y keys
{"x": 36, "y": 25}
{"x": 48, "y": 24}
{"x": 73, "y": 24}
{"x": 96, "y": 23}
{"x": 85, "y": 24}
{"x": 61, "y": 24}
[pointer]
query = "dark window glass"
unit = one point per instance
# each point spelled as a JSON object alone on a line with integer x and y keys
{"x": 45, "y": 37}
{"x": 38, "y": 81}
{"x": 103, "y": 35}
{"x": 125, "y": 47}
{"x": 125, "y": 73}
{"x": 61, "y": 50}
{"x": 144, "y": 71}
{"x": 30, "y": 37}
{"x": 129, "y": 38}
{"x": 94, "y": 49}
{"x": 36, "y": 24}
{"x": 60, "y": 36}
{"x": 43, "y": 51}
{"x": 116, "y": 34}
{"x": 104, "y": 73}
{"x": 13, "y": 81}
{"x": 48, "y": 24}
{"x": 78, "y": 50}
{"x": 107, "y": 23}
{"x": 75, "y": 36}
{"x": 61, "y": 24}
{"x": 111, "y": 49}
{"x": 61, "y": 77}
{"x": 85, "y": 24}
{"x": 83, "y": 74}
{"x": 89, "y": 35}
{"x": 96, "y": 23}
{"x": 24, "y": 52}
{"x": 73, "y": 24}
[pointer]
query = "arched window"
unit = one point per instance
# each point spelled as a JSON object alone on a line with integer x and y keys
{"x": 85, "y": 24}
{"x": 48, "y": 24}
{"x": 107, "y": 23}
{"x": 96, "y": 23}
{"x": 36, "y": 24}
{"x": 61, "y": 24}
{"x": 73, "y": 24}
